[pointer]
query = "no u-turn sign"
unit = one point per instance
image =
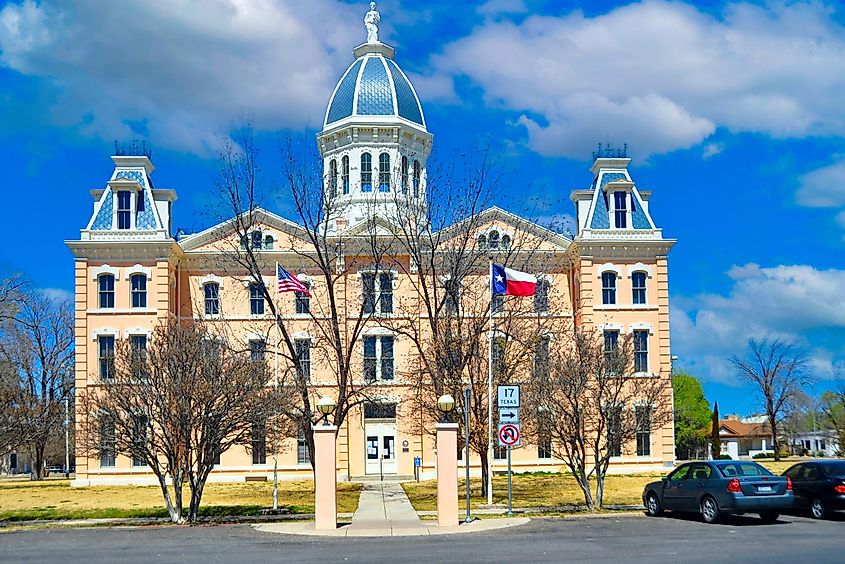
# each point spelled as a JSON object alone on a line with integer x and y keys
{"x": 509, "y": 434}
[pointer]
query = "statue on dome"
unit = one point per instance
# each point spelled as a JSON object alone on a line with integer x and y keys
{"x": 371, "y": 21}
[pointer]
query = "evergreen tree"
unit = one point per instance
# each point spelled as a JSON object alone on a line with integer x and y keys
{"x": 715, "y": 441}
{"x": 692, "y": 415}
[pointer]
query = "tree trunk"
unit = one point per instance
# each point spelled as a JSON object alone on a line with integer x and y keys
{"x": 599, "y": 489}
{"x": 775, "y": 446}
{"x": 38, "y": 470}
{"x": 584, "y": 484}
{"x": 197, "y": 487}
{"x": 173, "y": 509}
{"x": 484, "y": 469}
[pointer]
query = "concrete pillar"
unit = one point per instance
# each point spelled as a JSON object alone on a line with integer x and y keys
{"x": 325, "y": 477}
{"x": 447, "y": 474}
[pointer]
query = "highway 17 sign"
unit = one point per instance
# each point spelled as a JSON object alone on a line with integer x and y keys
{"x": 508, "y": 396}
{"x": 509, "y": 434}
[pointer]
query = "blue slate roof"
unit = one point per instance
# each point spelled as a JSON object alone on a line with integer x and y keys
{"x": 374, "y": 86}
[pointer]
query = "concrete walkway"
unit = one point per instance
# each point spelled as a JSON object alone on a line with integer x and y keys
{"x": 385, "y": 511}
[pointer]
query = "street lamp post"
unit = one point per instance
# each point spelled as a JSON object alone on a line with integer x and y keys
{"x": 447, "y": 465}
{"x": 446, "y": 404}
{"x": 325, "y": 406}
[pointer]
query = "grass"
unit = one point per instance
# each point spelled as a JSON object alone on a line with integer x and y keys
{"x": 551, "y": 489}
{"x": 55, "y": 499}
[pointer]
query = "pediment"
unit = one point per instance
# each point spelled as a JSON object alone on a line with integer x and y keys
{"x": 286, "y": 234}
{"x": 523, "y": 233}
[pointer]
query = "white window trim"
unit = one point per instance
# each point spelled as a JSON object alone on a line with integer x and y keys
{"x": 106, "y": 269}
{"x": 302, "y": 335}
{"x": 641, "y": 327}
{"x": 377, "y": 332}
{"x": 612, "y": 327}
{"x": 138, "y": 269}
{"x": 208, "y": 278}
{"x": 609, "y": 267}
{"x": 137, "y": 331}
{"x": 381, "y": 332}
{"x": 640, "y": 267}
{"x": 255, "y": 336}
{"x": 105, "y": 332}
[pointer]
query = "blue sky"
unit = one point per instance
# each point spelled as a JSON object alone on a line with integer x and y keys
{"x": 732, "y": 112}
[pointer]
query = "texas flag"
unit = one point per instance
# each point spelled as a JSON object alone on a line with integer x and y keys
{"x": 512, "y": 282}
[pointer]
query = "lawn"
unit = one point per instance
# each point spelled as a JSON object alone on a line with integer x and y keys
{"x": 55, "y": 499}
{"x": 550, "y": 490}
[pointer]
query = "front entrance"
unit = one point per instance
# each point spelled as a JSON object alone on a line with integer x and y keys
{"x": 380, "y": 448}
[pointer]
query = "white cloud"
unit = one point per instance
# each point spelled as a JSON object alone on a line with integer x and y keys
{"x": 58, "y": 294}
{"x": 496, "y": 7}
{"x": 781, "y": 301}
{"x": 183, "y": 71}
{"x": 660, "y": 75}
{"x": 823, "y": 187}
{"x": 711, "y": 150}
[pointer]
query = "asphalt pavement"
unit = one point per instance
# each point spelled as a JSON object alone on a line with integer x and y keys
{"x": 605, "y": 539}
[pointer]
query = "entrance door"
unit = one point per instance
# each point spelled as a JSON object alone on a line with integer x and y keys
{"x": 380, "y": 449}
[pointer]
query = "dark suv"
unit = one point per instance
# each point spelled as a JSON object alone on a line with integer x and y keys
{"x": 819, "y": 486}
{"x": 716, "y": 487}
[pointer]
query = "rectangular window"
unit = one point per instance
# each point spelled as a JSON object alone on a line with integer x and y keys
{"x": 614, "y": 431}
{"x": 641, "y": 350}
{"x": 124, "y": 209}
{"x": 500, "y": 453}
{"x": 257, "y": 350}
{"x": 138, "y": 344}
{"x": 256, "y": 300}
{"x": 303, "y": 358}
{"x": 404, "y": 175}
{"x": 302, "y": 456}
{"x": 387, "y": 358}
{"x": 139, "y": 290}
{"x": 620, "y": 200}
{"x": 368, "y": 282}
{"x": 541, "y": 296}
{"x": 366, "y": 172}
{"x": 385, "y": 286}
{"x": 106, "y": 354}
{"x": 384, "y": 172}
{"x": 378, "y": 358}
{"x": 643, "y": 416}
{"x": 212, "y": 298}
{"x": 344, "y": 174}
{"x": 255, "y": 240}
{"x": 106, "y": 282}
{"x": 139, "y": 202}
{"x": 139, "y": 440}
{"x": 498, "y": 358}
{"x": 608, "y": 288}
{"x": 452, "y": 299}
{"x": 541, "y": 358}
{"x": 417, "y": 178}
{"x": 544, "y": 446}
{"x": 258, "y": 443}
{"x": 638, "y": 287}
{"x": 107, "y": 443}
{"x": 302, "y": 301}
{"x": 497, "y": 302}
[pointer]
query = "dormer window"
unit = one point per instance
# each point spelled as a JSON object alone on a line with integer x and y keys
{"x": 620, "y": 210}
{"x": 124, "y": 209}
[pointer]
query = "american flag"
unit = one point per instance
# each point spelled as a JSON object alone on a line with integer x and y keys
{"x": 288, "y": 282}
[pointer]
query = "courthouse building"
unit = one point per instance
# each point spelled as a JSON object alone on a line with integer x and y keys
{"x": 132, "y": 273}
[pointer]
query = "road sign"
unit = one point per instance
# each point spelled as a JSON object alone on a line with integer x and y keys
{"x": 508, "y": 396}
{"x": 508, "y": 415}
{"x": 509, "y": 434}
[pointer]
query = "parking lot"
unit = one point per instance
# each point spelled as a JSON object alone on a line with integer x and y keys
{"x": 604, "y": 539}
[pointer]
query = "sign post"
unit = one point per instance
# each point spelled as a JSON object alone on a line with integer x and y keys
{"x": 509, "y": 431}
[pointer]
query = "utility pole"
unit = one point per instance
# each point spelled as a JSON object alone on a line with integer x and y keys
{"x": 67, "y": 438}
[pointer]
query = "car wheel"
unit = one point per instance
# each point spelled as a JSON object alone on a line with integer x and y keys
{"x": 818, "y": 509}
{"x": 653, "y": 505}
{"x": 709, "y": 510}
{"x": 769, "y": 516}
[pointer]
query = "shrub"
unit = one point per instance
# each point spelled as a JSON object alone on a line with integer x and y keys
{"x": 725, "y": 457}
{"x": 763, "y": 455}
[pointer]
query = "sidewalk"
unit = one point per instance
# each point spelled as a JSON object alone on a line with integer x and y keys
{"x": 385, "y": 511}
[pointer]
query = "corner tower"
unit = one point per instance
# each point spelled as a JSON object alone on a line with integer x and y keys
{"x": 374, "y": 140}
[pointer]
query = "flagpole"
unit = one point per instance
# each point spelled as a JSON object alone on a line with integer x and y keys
{"x": 490, "y": 394}
{"x": 276, "y": 388}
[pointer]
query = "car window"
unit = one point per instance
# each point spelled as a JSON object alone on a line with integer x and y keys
{"x": 700, "y": 472}
{"x": 680, "y": 473}
{"x": 833, "y": 468}
{"x": 794, "y": 471}
{"x": 810, "y": 472}
{"x": 736, "y": 469}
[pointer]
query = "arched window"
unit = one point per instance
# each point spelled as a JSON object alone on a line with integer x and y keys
{"x": 344, "y": 173}
{"x": 482, "y": 242}
{"x": 212, "y": 298}
{"x": 493, "y": 240}
{"x": 638, "y": 287}
{"x": 384, "y": 172}
{"x": 256, "y": 239}
{"x": 139, "y": 290}
{"x": 332, "y": 178}
{"x": 366, "y": 172}
{"x": 417, "y": 177}
{"x": 268, "y": 242}
{"x": 608, "y": 288}
{"x": 506, "y": 242}
{"x": 404, "y": 175}
{"x": 106, "y": 282}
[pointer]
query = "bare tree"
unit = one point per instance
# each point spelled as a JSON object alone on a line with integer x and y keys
{"x": 592, "y": 405}
{"x": 37, "y": 351}
{"x": 336, "y": 319}
{"x": 779, "y": 372}
{"x": 832, "y": 409}
{"x": 175, "y": 406}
